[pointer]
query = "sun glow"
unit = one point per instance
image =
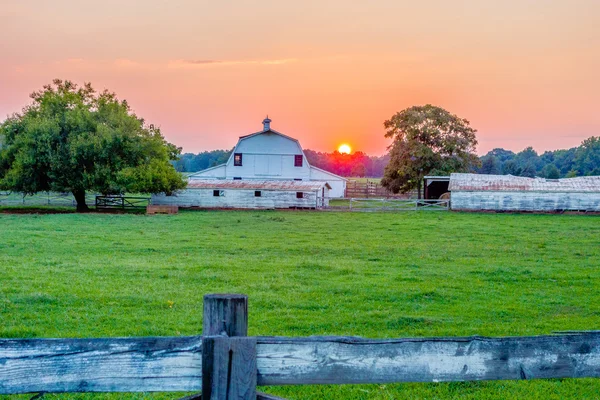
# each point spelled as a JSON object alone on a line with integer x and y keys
{"x": 344, "y": 149}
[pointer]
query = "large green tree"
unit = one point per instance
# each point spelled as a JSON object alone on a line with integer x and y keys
{"x": 74, "y": 139}
{"x": 427, "y": 140}
{"x": 587, "y": 157}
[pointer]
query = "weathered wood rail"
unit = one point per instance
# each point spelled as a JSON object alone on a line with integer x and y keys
{"x": 121, "y": 202}
{"x": 388, "y": 204}
{"x": 226, "y": 364}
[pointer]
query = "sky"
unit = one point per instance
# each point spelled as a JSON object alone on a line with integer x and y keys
{"x": 523, "y": 72}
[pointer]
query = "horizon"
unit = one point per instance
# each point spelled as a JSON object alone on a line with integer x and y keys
{"x": 524, "y": 73}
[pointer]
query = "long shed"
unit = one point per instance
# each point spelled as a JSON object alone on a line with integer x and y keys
{"x": 255, "y": 194}
{"x": 516, "y": 193}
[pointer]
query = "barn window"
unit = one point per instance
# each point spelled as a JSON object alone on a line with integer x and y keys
{"x": 218, "y": 193}
{"x": 257, "y": 193}
{"x": 237, "y": 178}
{"x": 299, "y": 195}
{"x": 237, "y": 159}
{"x": 298, "y": 160}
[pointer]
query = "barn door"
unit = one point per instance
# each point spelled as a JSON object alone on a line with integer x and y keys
{"x": 274, "y": 165}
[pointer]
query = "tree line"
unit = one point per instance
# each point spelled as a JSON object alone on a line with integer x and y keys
{"x": 355, "y": 164}
{"x": 577, "y": 161}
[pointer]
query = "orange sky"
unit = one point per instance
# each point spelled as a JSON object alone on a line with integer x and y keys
{"x": 524, "y": 72}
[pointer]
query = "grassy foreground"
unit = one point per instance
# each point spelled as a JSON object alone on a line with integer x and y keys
{"x": 308, "y": 273}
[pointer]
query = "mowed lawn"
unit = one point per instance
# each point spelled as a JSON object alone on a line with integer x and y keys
{"x": 309, "y": 273}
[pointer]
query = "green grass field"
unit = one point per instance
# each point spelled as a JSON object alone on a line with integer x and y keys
{"x": 308, "y": 273}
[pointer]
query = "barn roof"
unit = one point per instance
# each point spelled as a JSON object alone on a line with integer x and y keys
{"x": 255, "y": 184}
{"x": 509, "y": 183}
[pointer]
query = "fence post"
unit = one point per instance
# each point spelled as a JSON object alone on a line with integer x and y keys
{"x": 228, "y": 356}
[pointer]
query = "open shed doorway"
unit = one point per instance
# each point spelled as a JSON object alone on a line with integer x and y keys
{"x": 435, "y": 186}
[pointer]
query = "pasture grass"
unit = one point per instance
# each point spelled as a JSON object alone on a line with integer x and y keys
{"x": 308, "y": 273}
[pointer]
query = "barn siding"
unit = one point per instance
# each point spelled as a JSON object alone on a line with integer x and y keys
{"x": 525, "y": 201}
{"x": 338, "y": 185}
{"x": 238, "y": 198}
{"x": 268, "y": 155}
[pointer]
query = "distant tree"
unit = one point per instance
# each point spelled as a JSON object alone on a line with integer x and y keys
{"x": 72, "y": 139}
{"x": 587, "y": 156}
{"x": 529, "y": 170}
{"x": 426, "y": 139}
{"x": 510, "y": 167}
{"x": 564, "y": 160}
{"x": 501, "y": 154}
{"x": 528, "y": 159}
{"x": 353, "y": 164}
{"x": 489, "y": 165}
{"x": 190, "y": 162}
{"x": 550, "y": 172}
{"x": 359, "y": 170}
{"x": 571, "y": 174}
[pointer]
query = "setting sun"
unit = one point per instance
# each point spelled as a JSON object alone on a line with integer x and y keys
{"x": 344, "y": 149}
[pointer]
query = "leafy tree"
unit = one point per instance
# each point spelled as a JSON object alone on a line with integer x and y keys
{"x": 73, "y": 139}
{"x": 348, "y": 164}
{"x": 510, "y": 167}
{"x": 359, "y": 170}
{"x": 551, "y": 172}
{"x": 528, "y": 160}
{"x": 501, "y": 154}
{"x": 587, "y": 156}
{"x": 564, "y": 160}
{"x": 489, "y": 165}
{"x": 190, "y": 162}
{"x": 427, "y": 139}
{"x": 529, "y": 170}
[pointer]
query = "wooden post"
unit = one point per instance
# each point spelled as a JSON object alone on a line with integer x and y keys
{"x": 225, "y": 314}
{"x": 228, "y": 357}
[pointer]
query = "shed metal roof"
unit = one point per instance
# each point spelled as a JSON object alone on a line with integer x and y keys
{"x": 254, "y": 184}
{"x": 509, "y": 183}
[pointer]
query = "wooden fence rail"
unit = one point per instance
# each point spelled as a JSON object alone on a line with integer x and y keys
{"x": 121, "y": 202}
{"x": 387, "y": 204}
{"x": 226, "y": 364}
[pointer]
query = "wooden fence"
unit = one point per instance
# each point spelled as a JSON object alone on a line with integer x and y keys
{"x": 41, "y": 199}
{"x": 225, "y": 363}
{"x": 121, "y": 203}
{"x": 387, "y": 204}
{"x": 373, "y": 189}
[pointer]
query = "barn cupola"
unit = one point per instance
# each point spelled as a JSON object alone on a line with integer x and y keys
{"x": 266, "y": 124}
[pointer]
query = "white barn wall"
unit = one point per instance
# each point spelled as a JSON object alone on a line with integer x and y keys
{"x": 268, "y": 155}
{"x": 241, "y": 198}
{"x": 338, "y": 185}
{"x": 524, "y": 201}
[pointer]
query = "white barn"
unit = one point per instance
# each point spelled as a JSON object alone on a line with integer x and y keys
{"x": 256, "y": 194}
{"x": 266, "y": 169}
{"x": 271, "y": 155}
{"x": 473, "y": 192}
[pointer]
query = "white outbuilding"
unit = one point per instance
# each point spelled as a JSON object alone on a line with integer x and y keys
{"x": 473, "y": 192}
{"x": 256, "y": 194}
{"x": 269, "y": 155}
